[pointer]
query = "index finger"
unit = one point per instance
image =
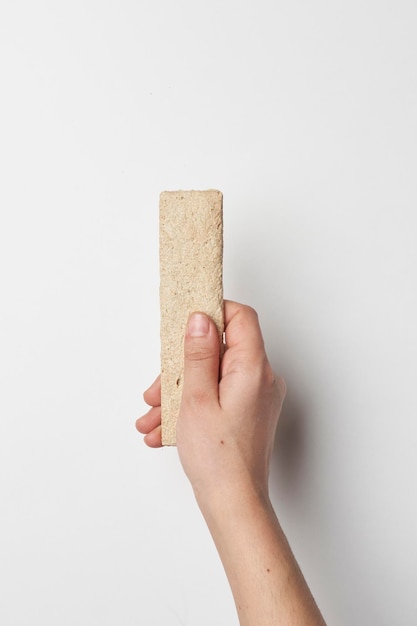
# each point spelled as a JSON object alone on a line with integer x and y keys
{"x": 242, "y": 327}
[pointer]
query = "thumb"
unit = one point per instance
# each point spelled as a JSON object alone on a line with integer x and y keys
{"x": 201, "y": 360}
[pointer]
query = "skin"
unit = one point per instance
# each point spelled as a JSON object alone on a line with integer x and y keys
{"x": 225, "y": 433}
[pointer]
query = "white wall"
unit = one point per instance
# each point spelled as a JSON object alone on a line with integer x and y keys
{"x": 304, "y": 115}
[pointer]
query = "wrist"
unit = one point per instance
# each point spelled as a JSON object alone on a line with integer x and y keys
{"x": 222, "y": 501}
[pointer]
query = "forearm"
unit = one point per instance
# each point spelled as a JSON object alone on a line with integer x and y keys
{"x": 267, "y": 584}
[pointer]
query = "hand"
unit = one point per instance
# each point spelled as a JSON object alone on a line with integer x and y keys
{"x": 225, "y": 432}
{"x": 229, "y": 410}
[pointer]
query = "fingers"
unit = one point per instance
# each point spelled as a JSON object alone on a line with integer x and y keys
{"x": 150, "y": 426}
{"x": 152, "y": 395}
{"x": 154, "y": 438}
{"x": 201, "y": 360}
{"x": 201, "y": 375}
{"x": 245, "y": 352}
{"x": 242, "y": 327}
{"x": 148, "y": 422}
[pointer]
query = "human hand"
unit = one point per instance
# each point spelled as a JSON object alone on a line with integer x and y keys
{"x": 225, "y": 433}
{"x": 229, "y": 408}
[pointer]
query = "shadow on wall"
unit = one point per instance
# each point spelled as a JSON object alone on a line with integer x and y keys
{"x": 263, "y": 267}
{"x": 311, "y": 487}
{"x": 263, "y": 277}
{"x": 259, "y": 272}
{"x": 288, "y": 464}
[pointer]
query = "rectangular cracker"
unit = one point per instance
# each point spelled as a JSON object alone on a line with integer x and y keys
{"x": 191, "y": 279}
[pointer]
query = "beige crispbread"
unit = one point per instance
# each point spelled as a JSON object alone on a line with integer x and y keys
{"x": 191, "y": 279}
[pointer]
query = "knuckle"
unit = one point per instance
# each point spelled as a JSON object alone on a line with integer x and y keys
{"x": 271, "y": 380}
{"x": 249, "y": 312}
{"x": 196, "y": 353}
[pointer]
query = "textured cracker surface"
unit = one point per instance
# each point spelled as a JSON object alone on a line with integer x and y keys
{"x": 191, "y": 279}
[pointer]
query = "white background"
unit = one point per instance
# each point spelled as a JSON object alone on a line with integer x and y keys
{"x": 304, "y": 115}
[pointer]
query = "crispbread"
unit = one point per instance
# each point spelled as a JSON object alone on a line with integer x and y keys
{"x": 191, "y": 279}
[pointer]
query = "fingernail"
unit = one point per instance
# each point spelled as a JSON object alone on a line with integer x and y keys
{"x": 198, "y": 325}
